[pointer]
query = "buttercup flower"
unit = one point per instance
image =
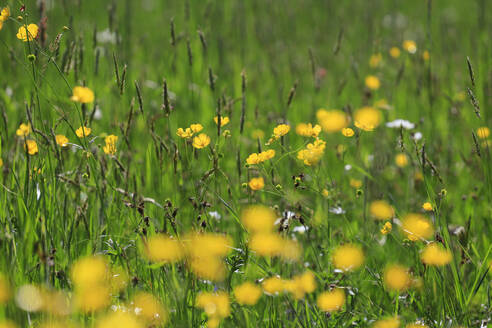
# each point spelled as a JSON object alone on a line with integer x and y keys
{"x": 331, "y": 301}
{"x": 83, "y": 132}
{"x": 82, "y": 95}
{"x": 61, "y": 140}
{"x": 201, "y": 141}
{"x": 223, "y": 120}
{"x": 394, "y": 52}
{"x": 410, "y": 46}
{"x": 367, "y": 118}
{"x": 27, "y": 33}
{"x": 23, "y": 130}
{"x": 256, "y": 183}
{"x": 372, "y": 82}
{"x": 31, "y": 146}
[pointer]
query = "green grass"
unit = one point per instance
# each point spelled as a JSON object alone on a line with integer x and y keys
{"x": 84, "y": 202}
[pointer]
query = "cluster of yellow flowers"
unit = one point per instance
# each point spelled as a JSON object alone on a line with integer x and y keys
{"x": 215, "y": 305}
{"x": 83, "y": 132}
{"x": 278, "y": 132}
{"x": 333, "y": 120}
{"x": 188, "y": 132}
{"x": 256, "y": 158}
{"x": 110, "y": 147}
{"x": 308, "y": 130}
{"x": 4, "y": 15}
{"x": 313, "y": 152}
{"x": 367, "y": 118}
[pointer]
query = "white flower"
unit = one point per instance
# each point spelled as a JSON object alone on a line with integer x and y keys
{"x": 400, "y": 123}
{"x": 337, "y": 210}
{"x": 215, "y": 215}
{"x": 417, "y": 136}
{"x": 300, "y": 229}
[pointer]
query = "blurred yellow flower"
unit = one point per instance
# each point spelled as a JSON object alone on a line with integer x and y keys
{"x": 434, "y": 254}
{"x": 416, "y": 325}
{"x": 348, "y": 132}
{"x": 83, "y": 132}
{"x": 426, "y": 55}
{"x": 110, "y": 147}
{"x": 82, "y": 95}
{"x": 483, "y": 132}
{"x": 31, "y": 146}
{"x": 331, "y": 301}
{"x": 396, "y": 277}
{"x": 5, "y": 14}
{"x": 347, "y": 257}
{"x": 372, "y": 82}
{"x": 5, "y": 291}
{"x": 332, "y": 120}
{"x": 201, "y": 141}
{"x": 215, "y": 305}
{"x": 367, "y": 118}
{"x": 281, "y": 130}
{"x": 1, "y": 162}
{"x": 410, "y": 46}
{"x": 416, "y": 226}
{"x": 27, "y": 33}
{"x": 387, "y": 228}
{"x": 247, "y": 293}
{"x": 375, "y": 60}
{"x": 401, "y": 160}
{"x": 381, "y": 210}
{"x": 427, "y": 206}
{"x": 313, "y": 152}
{"x": 387, "y": 323}
{"x": 89, "y": 271}
{"x": 355, "y": 183}
{"x": 394, "y": 52}
{"x": 150, "y": 309}
{"x": 223, "y": 120}
{"x": 273, "y": 285}
{"x": 307, "y": 130}
{"x": 256, "y": 183}
{"x": 23, "y": 130}
{"x": 258, "y": 218}
{"x": 161, "y": 248}
{"x": 61, "y": 140}
{"x": 119, "y": 319}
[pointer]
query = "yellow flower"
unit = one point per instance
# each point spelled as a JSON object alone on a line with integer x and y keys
{"x": 5, "y": 14}
{"x": 332, "y": 120}
{"x": 110, "y": 147}
{"x": 31, "y": 146}
{"x": 223, "y": 120}
{"x": 83, "y": 132}
{"x": 23, "y": 130}
{"x": 247, "y": 293}
{"x": 313, "y": 152}
{"x": 372, "y": 82}
{"x": 416, "y": 325}
{"x": 410, "y": 46}
{"x": 394, "y": 52}
{"x": 266, "y": 155}
{"x": 273, "y": 285}
{"x": 120, "y": 319}
{"x": 161, "y": 248}
{"x": 90, "y": 271}
{"x": 434, "y": 254}
{"x": 201, "y": 141}
{"x": 307, "y": 130}
{"x": 258, "y": 218}
{"x": 266, "y": 244}
{"x": 401, "y": 160}
{"x": 387, "y": 228}
{"x": 347, "y": 257}
{"x": 355, "y": 183}
{"x": 185, "y": 134}
{"x": 348, "y": 132}
{"x": 417, "y": 226}
{"x": 281, "y": 130}
{"x": 82, "y": 95}
{"x": 331, "y": 301}
{"x": 61, "y": 140}
{"x": 367, "y": 118}
{"x": 256, "y": 183}
{"x": 215, "y": 305}
{"x": 396, "y": 277}
{"x": 195, "y": 128}
{"x": 375, "y": 60}
{"x": 149, "y": 308}
{"x": 381, "y": 210}
{"x": 27, "y": 33}
{"x": 387, "y": 323}
{"x": 483, "y": 132}
{"x": 253, "y": 159}
{"x": 301, "y": 284}
{"x": 426, "y": 55}
{"x": 427, "y": 206}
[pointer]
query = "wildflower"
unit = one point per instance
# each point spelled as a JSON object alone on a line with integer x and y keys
{"x": 185, "y": 134}
{"x": 347, "y": 257}
{"x": 266, "y": 244}
{"x": 273, "y": 285}
{"x": 381, "y": 210}
{"x": 387, "y": 323}
{"x": 82, "y": 95}
{"x": 427, "y": 206}
{"x": 149, "y": 308}
{"x": 161, "y": 248}
{"x": 256, "y": 183}
{"x": 375, "y": 60}
{"x": 332, "y": 120}
{"x": 29, "y": 298}
{"x": 253, "y": 159}
{"x": 307, "y": 130}
{"x": 301, "y": 284}
{"x": 83, "y": 132}
{"x": 195, "y": 128}
{"x": 256, "y": 158}
{"x": 27, "y": 33}
{"x": 5, "y": 291}
{"x": 396, "y": 277}
{"x": 483, "y": 132}
{"x": 61, "y": 140}
{"x": 433, "y": 254}
{"x": 247, "y": 293}
{"x": 331, "y": 301}
{"x": 394, "y": 52}
{"x": 410, "y": 46}
{"x": 399, "y": 123}
{"x": 348, "y": 132}
{"x": 110, "y": 147}
{"x": 281, "y": 130}
{"x": 355, "y": 183}
{"x": 5, "y": 14}
{"x": 201, "y": 141}
{"x": 367, "y": 118}
{"x": 401, "y": 160}
{"x": 31, "y": 146}
{"x": 23, "y": 130}
{"x": 416, "y": 325}
{"x": 313, "y": 152}
{"x": 258, "y": 218}
{"x": 426, "y": 55}
{"x": 215, "y": 305}
{"x": 89, "y": 271}
{"x": 387, "y": 228}
{"x": 417, "y": 226}
{"x": 223, "y": 120}
{"x": 119, "y": 319}
{"x": 372, "y": 82}
{"x": 325, "y": 193}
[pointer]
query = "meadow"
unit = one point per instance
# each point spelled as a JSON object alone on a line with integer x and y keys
{"x": 259, "y": 163}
